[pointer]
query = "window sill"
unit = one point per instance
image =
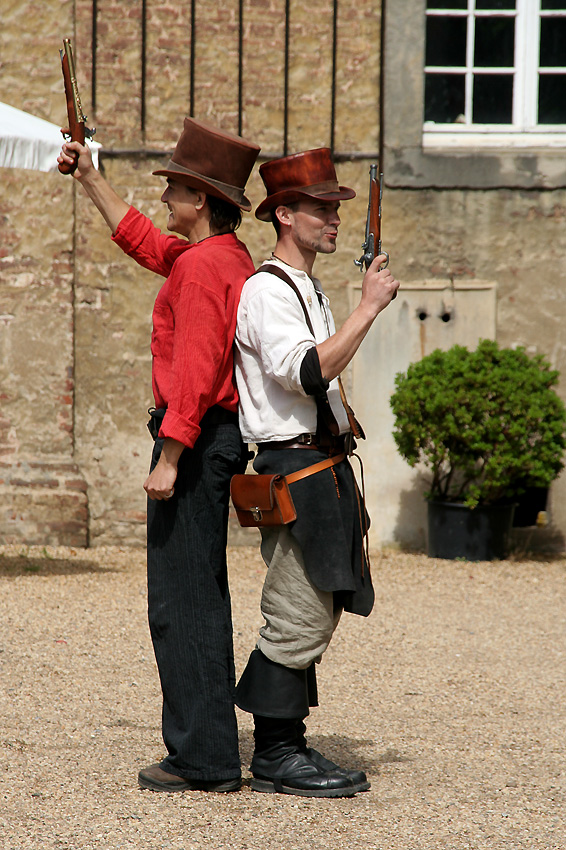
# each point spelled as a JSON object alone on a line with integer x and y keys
{"x": 440, "y": 140}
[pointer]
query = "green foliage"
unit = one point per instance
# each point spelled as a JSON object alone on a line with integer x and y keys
{"x": 487, "y": 423}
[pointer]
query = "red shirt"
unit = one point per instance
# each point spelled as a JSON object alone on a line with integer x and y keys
{"x": 194, "y": 320}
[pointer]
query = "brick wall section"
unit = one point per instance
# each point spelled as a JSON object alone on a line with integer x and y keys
{"x": 168, "y": 71}
{"x": 44, "y": 503}
{"x": 169, "y": 41}
{"x": 114, "y": 300}
{"x": 30, "y": 71}
{"x": 216, "y": 35}
{"x": 36, "y": 275}
{"x": 357, "y": 77}
{"x": 264, "y": 33}
{"x": 75, "y": 314}
{"x": 42, "y": 491}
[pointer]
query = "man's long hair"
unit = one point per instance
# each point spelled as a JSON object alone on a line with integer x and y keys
{"x": 223, "y": 215}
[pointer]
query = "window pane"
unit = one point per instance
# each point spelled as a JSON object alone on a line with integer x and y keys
{"x": 495, "y": 43}
{"x": 493, "y": 99}
{"x": 447, "y": 4}
{"x": 444, "y": 98}
{"x": 551, "y": 100}
{"x": 553, "y": 4}
{"x": 552, "y": 42}
{"x": 496, "y": 4}
{"x": 446, "y": 41}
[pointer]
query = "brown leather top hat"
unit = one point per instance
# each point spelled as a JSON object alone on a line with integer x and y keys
{"x": 310, "y": 174}
{"x": 214, "y": 161}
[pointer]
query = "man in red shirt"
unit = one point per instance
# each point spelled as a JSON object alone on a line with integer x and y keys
{"x": 197, "y": 441}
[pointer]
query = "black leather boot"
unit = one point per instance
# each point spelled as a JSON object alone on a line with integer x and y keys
{"x": 278, "y": 697}
{"x": 279, "y": 765}
{"x": 358, "y": 777}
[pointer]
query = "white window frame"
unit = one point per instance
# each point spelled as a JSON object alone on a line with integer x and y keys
{"x": 524, "y": 132}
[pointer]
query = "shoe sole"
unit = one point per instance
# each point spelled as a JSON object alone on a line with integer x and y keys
{"x": 221, "y": 788}
{"x": 267, "y": 787}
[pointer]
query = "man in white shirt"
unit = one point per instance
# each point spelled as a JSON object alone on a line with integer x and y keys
{"x": 288, "y": 359}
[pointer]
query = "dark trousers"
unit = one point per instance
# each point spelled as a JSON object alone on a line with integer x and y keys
{"x": 189, "y": 608}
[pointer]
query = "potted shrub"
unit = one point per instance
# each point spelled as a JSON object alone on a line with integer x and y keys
{"x": 487, "y": 424}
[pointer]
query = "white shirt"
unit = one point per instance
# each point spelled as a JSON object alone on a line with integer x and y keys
{"x": 272, "y": 338}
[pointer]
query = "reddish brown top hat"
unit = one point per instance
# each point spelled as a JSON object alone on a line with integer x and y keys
{"x": 214, "y": 161}
{"x": 310, "y": 174}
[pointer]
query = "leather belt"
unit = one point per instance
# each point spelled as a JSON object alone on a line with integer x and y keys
{"x": 331, "y": 445}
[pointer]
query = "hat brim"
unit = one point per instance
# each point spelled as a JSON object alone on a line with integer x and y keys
{"x": 289, "y": 196}
{"x": 231, "y": 194}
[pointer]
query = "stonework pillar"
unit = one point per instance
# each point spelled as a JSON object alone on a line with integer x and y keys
{"x": 43, "y": 495}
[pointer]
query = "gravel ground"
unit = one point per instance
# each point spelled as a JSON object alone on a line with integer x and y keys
{"x": 450, "y": 696}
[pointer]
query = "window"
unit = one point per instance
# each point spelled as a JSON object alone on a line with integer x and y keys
{"x": 515, "y": 135}
{"x": 495, "y": 73}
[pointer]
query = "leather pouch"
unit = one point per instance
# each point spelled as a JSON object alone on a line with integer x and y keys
{"x": 262, "y": 500}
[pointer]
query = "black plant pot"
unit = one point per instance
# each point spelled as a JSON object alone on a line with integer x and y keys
{"x": 478, "y": 534}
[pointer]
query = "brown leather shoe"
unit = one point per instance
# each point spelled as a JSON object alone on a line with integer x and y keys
{"x": 156, "y": 779}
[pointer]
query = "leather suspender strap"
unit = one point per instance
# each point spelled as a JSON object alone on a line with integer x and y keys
{"x": 314, "y": 468}
{"x": 325, "y": 414}
{"x": 355, "y": 426}
{"x": 272, "y": 269}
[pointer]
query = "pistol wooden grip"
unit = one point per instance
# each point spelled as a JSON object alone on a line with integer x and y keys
{"x": 69, "y": 168}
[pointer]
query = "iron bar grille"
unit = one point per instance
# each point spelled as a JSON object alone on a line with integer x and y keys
{"x": 196, "y": 46}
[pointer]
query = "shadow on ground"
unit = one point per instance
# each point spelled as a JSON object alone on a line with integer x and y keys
{"x": 340, "y": 749}
{"x": 13, "y": 566}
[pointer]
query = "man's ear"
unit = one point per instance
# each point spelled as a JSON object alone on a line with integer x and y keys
{"x": 200, "y": 199}
{"x": 283, "y": 214}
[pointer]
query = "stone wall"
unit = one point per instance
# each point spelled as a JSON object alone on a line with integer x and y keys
{"x": 42, "y": 491}
{"x": 75, "y": 313}
{"x": 515, "y": 238}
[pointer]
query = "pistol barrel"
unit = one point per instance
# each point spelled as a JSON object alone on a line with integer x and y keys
{"x": 68, "y": 52}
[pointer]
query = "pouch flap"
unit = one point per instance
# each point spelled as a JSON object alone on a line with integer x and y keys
{"x": 253, "y": 491}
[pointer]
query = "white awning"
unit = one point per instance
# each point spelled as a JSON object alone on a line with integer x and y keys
{"x": 30, "y": 142}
